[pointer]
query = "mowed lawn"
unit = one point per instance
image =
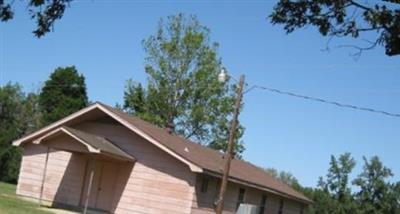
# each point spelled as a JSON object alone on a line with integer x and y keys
{"x": 10, "y": 204}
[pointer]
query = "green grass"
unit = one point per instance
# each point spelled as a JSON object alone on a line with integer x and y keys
{"x": 11, "y": 204}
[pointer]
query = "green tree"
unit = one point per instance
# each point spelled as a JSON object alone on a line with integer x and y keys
{"x": 345, "y": 18}
{"x": 45, "y": 12}
{"x": 285, "y": 177}
{"x": 18, "y": 115}
{"x": 376, "y": 195}
{"x": 395, "y": 198}
{"x": 63, "y": 94}
{"x": 11, "y": 99}
{"x": 323, "y": 201}
{"x": 337, "y": 185}
{"x": 333, "y": 195}
{"x": 182, "y": 91}
{"x": 31, "y": 113}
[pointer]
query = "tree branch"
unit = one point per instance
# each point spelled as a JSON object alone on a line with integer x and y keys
{"x": 360, "y": 5}
{"x": 360, "y": 49}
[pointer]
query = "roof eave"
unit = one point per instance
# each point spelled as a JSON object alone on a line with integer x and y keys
{"x": 193, "y": 167}
{"x": 19, "y": 141}
{"x": 256, "y": 186}
{"x": 90, "y": 148}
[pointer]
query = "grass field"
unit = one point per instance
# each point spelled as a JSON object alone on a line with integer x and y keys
{"x": 10, "y": 204}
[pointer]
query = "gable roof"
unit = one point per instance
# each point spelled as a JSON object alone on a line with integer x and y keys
{"x": 211, "y": 160}
{"x": 199, "y": 158}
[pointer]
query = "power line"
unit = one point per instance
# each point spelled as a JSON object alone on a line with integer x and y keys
{"x": 316, "y": 99}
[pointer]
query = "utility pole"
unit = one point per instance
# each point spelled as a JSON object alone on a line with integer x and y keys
{"x": 229, "y": 151}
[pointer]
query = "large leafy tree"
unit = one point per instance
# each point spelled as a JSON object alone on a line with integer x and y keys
{"x": 345, "y": 18}
{"x": 11, "y": 99}
{"x": 44, "y": 12}
{"x": 337, "y": 184}
{"x": 63, "y": 94}
{"x": 18, "y": 115}
{"x": 182, "y": 91}
{"x": 323, "y": 201}
{"x": 377, "y": 195}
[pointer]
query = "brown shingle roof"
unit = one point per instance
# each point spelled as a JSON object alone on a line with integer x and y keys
{"x": 209, "y": 159}
{"x": 99, "y": 142}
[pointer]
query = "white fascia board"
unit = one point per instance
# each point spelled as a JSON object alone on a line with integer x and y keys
{"x": 90, "y": 148}
{"x": 55, "y": 124}
{"x": 193, "y": 167}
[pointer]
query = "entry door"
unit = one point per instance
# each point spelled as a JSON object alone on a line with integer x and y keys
{"x": 106, "y": 188}
{"x": 103, "y": 185}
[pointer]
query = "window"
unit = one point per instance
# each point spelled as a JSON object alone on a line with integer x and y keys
{"x": 217, "y": 188}
{"x": 262, "y": 204}
{"x": 281, "y": 204}
{"x": 240, "y": 197}
{"x": 204, "y": 185}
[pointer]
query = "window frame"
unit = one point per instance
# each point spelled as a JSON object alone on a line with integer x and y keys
{"x": 204, "y": 184}
{"x": 263, "y": 203}
{"x": 281, "y": 205}
{"x": 216, "y": 193}
{"x": 242, "y": 199}
{"x": 302, "y": 209}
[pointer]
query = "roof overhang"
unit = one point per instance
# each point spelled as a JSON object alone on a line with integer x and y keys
{"x": 256, "y": 186}
{"x": 93, "y": 143}
{"x": 62, "y": 130}
{"x": 52, "y": 127}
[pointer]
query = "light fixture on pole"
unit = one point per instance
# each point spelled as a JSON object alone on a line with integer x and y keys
{"x": 222, "y": 77}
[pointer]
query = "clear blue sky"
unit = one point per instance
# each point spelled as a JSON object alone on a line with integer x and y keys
{"x": 103, "y": 40}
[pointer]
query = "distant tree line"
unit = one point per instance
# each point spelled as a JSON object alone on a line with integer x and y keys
{"x": 371, "y": 192}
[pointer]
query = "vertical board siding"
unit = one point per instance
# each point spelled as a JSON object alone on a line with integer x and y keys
{"x": 31, "y": 171}
{"x": 155, "y": 183}
{"x": 64, "y": 177}
{"x": 63, "y": 181}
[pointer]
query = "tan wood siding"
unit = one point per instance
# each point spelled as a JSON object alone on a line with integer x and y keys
{"x": 203, "y": 202}
{"x": 64, "y": 177}
{"x": 155, "y": 183}
{"x": 58, "y": 186}
{"x": 31, "y": 171}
